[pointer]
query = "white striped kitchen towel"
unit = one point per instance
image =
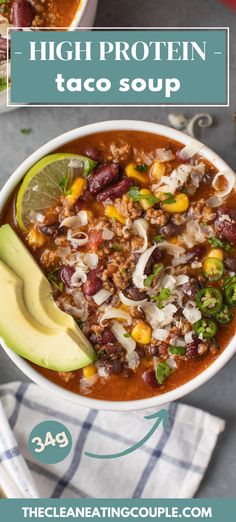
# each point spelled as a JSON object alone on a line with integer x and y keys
{"x": 171, "y": 464}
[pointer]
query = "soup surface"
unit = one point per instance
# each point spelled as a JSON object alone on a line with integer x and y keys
{"x": 39, "y": 13}
{"x": 141, "y": 252}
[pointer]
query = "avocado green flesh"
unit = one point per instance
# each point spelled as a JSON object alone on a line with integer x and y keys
{"x": 26, "y": 337}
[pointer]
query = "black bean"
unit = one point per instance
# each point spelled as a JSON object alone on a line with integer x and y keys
{"x": 48, "y": 230}
{"x": 198, "y": 252}
{"x": 117, "y": 190}
{"x": 153, "y": 259}
{"x": 113, "y": 366}
{"x": 208, "y": 178}
{"x": 103, "y": 176}
{"x": 135, "y": 294}
{"x": 191, "y": 288}
{"x": 171, "y": 230}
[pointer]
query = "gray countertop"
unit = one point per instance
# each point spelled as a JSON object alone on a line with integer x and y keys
{"x": 218, "y": 395}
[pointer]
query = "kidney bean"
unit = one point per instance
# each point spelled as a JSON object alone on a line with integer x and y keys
{"x": 107, "y": 337}
{"x": 149, "y": 377}
{"x": 93, "y": 283}
{"x": 3, "y": 48}
{"x": 103, "y": 176}
{"x": 93, "y": 153}
{"x": 192, "y": 348}
{"x": 154, "y": 258}
{"x": 226, "y": 226}
{"x": 22, "y": 13}
{"x": 134, "y": 293}
{"x": 117, "y": 190}
{"x": 66, "y": 274}
{"x": 230, "y": 263}
{"x": 171, "y": 230}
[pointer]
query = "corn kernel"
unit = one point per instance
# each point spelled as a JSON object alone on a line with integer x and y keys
{"x": 157, "y": 170}
{"x": 142, "y": 333}
{"x": 112, "y": 212}
{"x": 180, "y": 204}
{"x": 217, "y": 253}
{"x": 76, "y": 190}
{"x": 35, "y": 238}
{"x": 131, "y": 172}
{"x": 143, "y": 202}
{"x": 89, "y": 371}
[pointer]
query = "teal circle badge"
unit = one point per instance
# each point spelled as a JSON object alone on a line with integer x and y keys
{"x": 50, "y": 442}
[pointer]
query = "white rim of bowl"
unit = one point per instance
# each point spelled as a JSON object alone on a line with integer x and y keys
{"x": 22, "y": 364}
{"x": 79, "y": 14}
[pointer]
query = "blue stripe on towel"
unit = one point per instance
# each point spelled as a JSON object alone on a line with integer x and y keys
{"x": 73, "y": 468}
{"x": 10, "y": 454}
{"x": 159, "y": 449}
{"x": 18, "y": 396}
{"x": 36, "y": 468}
{"x": 112, "y": 435}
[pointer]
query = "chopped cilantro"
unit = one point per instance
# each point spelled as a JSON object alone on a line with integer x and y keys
{"x": 176, "y": 350}
{"x": 169, "y": 198}
{"x": 127, "y": 335}
{"x": 79, "y": 322}
{"x": 88, "y": 166}
{"x": 141, "y": 168}
{"x": 26, "y": 132}
{"x": 55, "y": 280}
{"x": 162, "y": 372}
{"x": 158, "y": 238}
{"x": 163, "y": 295}
{"x": 157, "y": 269}
{"x": 217, "y": 243}
{"x": 64, "y": 185}
{"x": 134, "y": 195}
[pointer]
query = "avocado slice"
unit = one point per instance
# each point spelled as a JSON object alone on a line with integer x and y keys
{"x": 36, "y": 288}
{"x": 28, "y": 338}
{"x": 37, "y": 292}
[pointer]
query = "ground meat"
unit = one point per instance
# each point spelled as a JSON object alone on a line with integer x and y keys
{"x": 200, "y": 211}
{"x": 118, "y": 271}
{"x": 136, "y": 243}
{"x": 127, "y": 208}
{"x": 49, "y": 258}
{"x": 66, "y": 376}
{"x": 157, "y": 217}
{"x": 119, "y": 151}
{"x": 136, "y": 313}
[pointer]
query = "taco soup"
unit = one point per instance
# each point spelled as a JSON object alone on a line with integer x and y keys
{"x": 135, "y": 236}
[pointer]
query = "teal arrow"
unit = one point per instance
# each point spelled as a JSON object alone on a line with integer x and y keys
{"x": 161, "y": 418}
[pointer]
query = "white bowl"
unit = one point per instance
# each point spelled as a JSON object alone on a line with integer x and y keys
{"x": 26, "y": 368}
{"x": 84, "y": 17}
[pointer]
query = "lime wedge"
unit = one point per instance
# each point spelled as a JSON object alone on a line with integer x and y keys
{"x": 44, "y": 183}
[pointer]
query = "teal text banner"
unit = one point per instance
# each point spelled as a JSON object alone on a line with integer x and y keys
{"x": 131, "y": 67}
{"x": 214, "y": 510}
